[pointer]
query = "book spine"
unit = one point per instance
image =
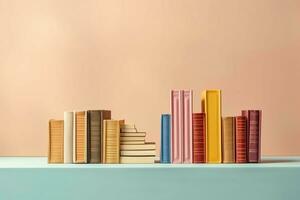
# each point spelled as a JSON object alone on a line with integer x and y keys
{"x": 187, "y": 126}
{"x": 68, "y": 137}
{"x": 253, "y": 134}
{"x": 228, "y": 139}
{"x": 104, "y": 115}
{"x": 211, "y": 105}
{"x": 241, "y": 139}
{"x": 177, "y": 126}
{"x": 198, "y": 137}
{"x": 165, "y": 138}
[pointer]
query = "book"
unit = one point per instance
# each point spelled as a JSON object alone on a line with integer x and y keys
{"x": 211, "y": 106}
{"x": 241, "y": 139}
{"x": 132, "y": 126}
{"x": 187, "y": 126}
{"x": 130, "y": 130}
{"x": 228, "y": 139}
{"x": 56, "y": 141}
{"x": 177, "y": 126}
{"x": 133, "y": 134}
{"x": 132, "y": 142}
{"x": 80, "y": 137}
{"x": 146, "y": 146}
{"x": 68, "y": 137}
{"x": 165, "y": 139}
{"x": 253, "y": 134}
{"x": 111, "y": 141}
{"x": 199, "y": 138}
{"x": 138, "y": 153}
{"x": 137, "y": 159}
{"x": 131, "y": 138}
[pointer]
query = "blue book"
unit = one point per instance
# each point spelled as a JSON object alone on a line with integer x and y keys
{"x": 165, "y": 155}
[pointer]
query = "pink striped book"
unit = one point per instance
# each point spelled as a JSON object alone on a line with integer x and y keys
{"x": 177, "y": 126}
{"x": 187, "y": 126}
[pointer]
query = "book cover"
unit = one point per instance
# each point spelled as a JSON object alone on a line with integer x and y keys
{"x": 187, "y": 126}
{"x": 211, "y": 106}
{"x": 228, "y": 139}
{"x": 56, "y": 141}
{"x": 177, "y": 126}
{"x": 241, "y": 139}
{"x": 253, "y": 134}
{"x": 199, "y": 149}
{"x": 165, "y": 138}
{"x": 80, "y": 137}
{"x": 68, "y": 137}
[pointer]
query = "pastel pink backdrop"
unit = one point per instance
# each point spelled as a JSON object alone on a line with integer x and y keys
{"x": 126, "y": 55}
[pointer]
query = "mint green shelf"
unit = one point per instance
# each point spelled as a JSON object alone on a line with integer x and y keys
{"x": 31, "y": 178}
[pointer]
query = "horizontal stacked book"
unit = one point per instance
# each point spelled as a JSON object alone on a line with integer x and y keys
{"x": 207, "y": 137}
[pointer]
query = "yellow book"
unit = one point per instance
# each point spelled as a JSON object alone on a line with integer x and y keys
{"x": 56, "y": 141}
{"x": 228, "y": 139}
{"x": 80, "y": 137}
{"x": 211, "y": 105}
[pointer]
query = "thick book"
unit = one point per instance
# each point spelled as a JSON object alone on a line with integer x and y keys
{"x": 253, "y": 134}
{"x": 241, "y": 139}
{"x": 80, "y": 137}
{"x": 138, "y": 153}
{"x": 146, "y": 146}
{"x": 56, "y": 141}
{"x": 111, "y": 141}
{"x": 177, "y": 126}
{"x": 187, "y": 126}
{"x": 68, "y": 137}
{"x": 94, "y": 129}
{"x": 228, "y": 139}
{"x": 199, "y": 138}
{"x": 165, "y": 153}
{"x": 211, "y": 106}
{"x": 137, "y": 159}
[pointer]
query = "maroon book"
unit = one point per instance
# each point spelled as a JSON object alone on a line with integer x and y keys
{"x": 253, "y": 134}
{"x": 241, "y": 139}
{"x": 199, "y": 137}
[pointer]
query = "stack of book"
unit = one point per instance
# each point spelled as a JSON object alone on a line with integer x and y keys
{"x": 134, "y": 148}
{"x": 207, "y": 137}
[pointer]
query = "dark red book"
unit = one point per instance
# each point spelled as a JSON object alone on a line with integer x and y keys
{"x": 253, "y": 134}
{"x": 241, "y": 139}
{"x": 199, "y": 138}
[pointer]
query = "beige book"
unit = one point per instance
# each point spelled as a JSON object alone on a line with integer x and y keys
{"x": 131, "y": 134}
{"x": 68, "y": 137}
{"x": 137, "y": 160}
{"x": 56, "y": 141}
{"x": 132, "y": 142}
{"x": 130, "y": 138}
{"x": 80, "y": 137}
{"x": 146, "y": 146}
{"x": 125, "y": 130}
{"x": 138, "y": 153}
{"x": 228, "y": 139}
{"x": 128, "y": 126}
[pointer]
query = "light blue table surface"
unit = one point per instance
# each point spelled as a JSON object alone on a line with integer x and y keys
{"x": 32, "y": 178}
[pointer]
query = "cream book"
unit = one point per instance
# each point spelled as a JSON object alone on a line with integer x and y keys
{"x": 128, "y": 126}
{"x": 124, "y": 130}
{"x": 68, "y": 137}
{"x": 129, "y": 138}
{"x": 131, "y": 134}
{"x": 146, "y": 146}
{"x": 137, "y": 160}
{"x": 138, "y": 153}
{"x": 132, "y": 142}
{"x": 80, "y": 137}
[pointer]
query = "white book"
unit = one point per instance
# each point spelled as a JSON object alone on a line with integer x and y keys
{"x": 68, "y": 137}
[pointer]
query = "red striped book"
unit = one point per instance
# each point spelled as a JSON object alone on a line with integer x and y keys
{"x": 199, "y": 137}
{"x": 241, "y": 139}
{"x": 253, "y": 134}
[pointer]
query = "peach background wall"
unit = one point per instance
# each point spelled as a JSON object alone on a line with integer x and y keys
{"x": 126, "y": 55}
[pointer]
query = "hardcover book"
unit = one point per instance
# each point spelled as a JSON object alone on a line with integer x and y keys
{"x": 177, "y": 126}
{"x": 253, "y": 134}
{"x": 199, "y": 138}
{"x": 68, "y": 137}
{"x": 165, "y": 138}
{"x": 228, "y": 139}
{"x": 187, "y": 126}
{"x": 80, "y": 137}
{"x": 211, "y": 106}
{"x": 56, "y": 141}
{"x": 241, "y": 139}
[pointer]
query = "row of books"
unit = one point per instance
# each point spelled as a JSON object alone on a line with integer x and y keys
{"x": 93, "y": 137}
{"x": 207, "y": 137}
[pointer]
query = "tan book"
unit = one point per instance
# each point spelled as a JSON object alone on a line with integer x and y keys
{"x": 128, "y": 126}
{"x": 56, "y": 141}
{"x": 129, "y": 138}
{"x": 111, "y": 141}
{"x": 133, "y": 134}
{"x": 132, "y": 142}
{"x": 138, "y": 153}
{"x": 80, "y": 137}
{"x": 125, "y": 130}
{"x": 228, "y": 139}
{"x": 137, "y": 160}
{"x": 146, "y": 146}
